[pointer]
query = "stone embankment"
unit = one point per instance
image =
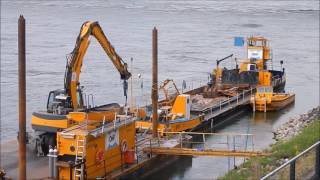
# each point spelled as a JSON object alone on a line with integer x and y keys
{"x": 296, "y": 124}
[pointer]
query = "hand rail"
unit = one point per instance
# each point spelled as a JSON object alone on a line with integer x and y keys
{"x": 317, "y": 144}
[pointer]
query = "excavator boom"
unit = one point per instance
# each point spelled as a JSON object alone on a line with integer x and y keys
{"x": 75, "y": 61}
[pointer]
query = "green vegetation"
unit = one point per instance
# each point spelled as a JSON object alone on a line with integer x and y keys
{"x": 254, "y": 168}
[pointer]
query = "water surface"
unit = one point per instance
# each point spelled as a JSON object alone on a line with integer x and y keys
{"x": 192, "y": 35}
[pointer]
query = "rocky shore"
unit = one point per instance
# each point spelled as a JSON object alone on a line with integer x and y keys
{"x": 296, "y": 124}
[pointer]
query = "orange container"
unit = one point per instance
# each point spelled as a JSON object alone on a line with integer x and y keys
{"x": 129, "y": 156}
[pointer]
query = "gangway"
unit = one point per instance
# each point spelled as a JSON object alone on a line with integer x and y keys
{"x": 199, "y": 152}
{"x": 198, "y": 144}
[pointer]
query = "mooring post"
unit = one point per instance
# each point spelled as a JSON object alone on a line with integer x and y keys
{"x": 154, "y": 82}
{"x": 22, "y": 96}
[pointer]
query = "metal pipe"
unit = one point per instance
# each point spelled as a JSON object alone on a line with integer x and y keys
{"x": 54, "y": 163}
{"x": 50, "y": 162}
{"x": 22, "y": 96}
{"x": 154, "y": 82}
{"x": 131, "y": 84}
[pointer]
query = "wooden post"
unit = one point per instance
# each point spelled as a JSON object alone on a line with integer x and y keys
{"x": 22, "y": 96}
{"x": 154, "y": 82}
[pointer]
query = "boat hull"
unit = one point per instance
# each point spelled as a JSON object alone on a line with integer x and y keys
{"x": 275, "y": 104}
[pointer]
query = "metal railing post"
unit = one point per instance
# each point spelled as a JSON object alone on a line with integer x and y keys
{"x": 242, "y": 96}
{"x": 228, "y": 150}
{"x": 234, "y": 149}
{"x": 180, "y": 140}
{"x": 293, "y": 161}
{"x": 317, "y": 165}
{"x": 150, "y": 149}
{"x": 137, "y": 155}
{"x": 254, "y": 105}
{"x": 237, "y": 98}
{"x": 293, "y": 170}
{"x": 204, "y": 141}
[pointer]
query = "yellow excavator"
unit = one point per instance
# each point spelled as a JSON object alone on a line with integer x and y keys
{"x": 65, "y": 105}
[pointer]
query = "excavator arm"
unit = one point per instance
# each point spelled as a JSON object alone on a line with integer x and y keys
{"x": 75, "y": 60}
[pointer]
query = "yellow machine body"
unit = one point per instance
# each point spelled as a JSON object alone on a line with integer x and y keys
{"x": 93, "y": 115}
{"x": 258, "y": 53}
{"x": 176, "y": 118}
{"x": 181, "y": 107}
{"x": 217, "y": 73}
{"x": 258, "y": 48}
{"x": 103, "y": 151}
{"x": 265, "y": 78}
{"x": 90, "y": 28}
{"x": 55, "y": 123}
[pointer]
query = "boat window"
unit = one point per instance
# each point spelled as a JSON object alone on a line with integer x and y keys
{"x": 259, "y": 43}
{"x": 260, "y": 89}
{"x": 50, "y": 102}
{"x": 251, "y": 67}
{"x": 268, "y": 89}
{"x": 79, "y": 99}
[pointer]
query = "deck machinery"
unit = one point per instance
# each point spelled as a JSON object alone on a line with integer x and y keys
{"x": 256, "y": 69}
{"x": 63, "y": 104}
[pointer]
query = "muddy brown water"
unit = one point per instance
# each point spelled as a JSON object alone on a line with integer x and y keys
{"x": 192, "y": 35}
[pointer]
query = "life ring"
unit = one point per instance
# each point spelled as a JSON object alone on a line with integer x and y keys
{"x": 99, "y": 157}
{"x": 124, "y": 145}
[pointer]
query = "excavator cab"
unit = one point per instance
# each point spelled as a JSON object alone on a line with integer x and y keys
{"x": 60, "y": 103}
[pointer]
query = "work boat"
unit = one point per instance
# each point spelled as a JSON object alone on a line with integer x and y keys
{"x": 267, "y": 100}
{"x": 252, "y": 71}
{"x": 174, "y": 112}
{"x": 174, "y": 118}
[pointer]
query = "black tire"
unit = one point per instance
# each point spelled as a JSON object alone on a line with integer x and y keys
{"x": 52, "y": 140}
{"x": 48, "y": 140}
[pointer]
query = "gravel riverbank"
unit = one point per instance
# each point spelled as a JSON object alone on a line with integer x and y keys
{"x": 295, "y": 125}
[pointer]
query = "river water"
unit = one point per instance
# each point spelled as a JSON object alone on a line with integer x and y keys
{"x": 192, "y": 35}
